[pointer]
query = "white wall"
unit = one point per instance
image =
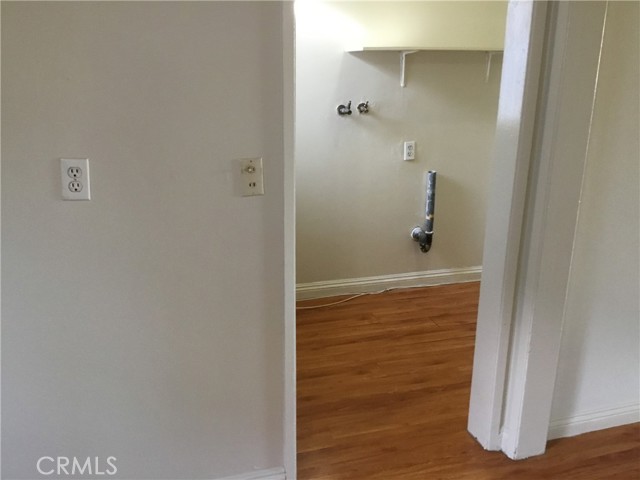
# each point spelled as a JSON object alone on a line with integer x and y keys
{"x": 599, "y": 366}
{"x": 146, "y": 324}
{"x": 357, "y": 201}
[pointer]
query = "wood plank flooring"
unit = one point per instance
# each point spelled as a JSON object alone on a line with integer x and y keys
{"x": 383, "y": 392}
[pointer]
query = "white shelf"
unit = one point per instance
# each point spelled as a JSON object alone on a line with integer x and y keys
{"x": 408, "y": 27}
{"x": 488, "y": 48}
{"x": 404, "y": 51}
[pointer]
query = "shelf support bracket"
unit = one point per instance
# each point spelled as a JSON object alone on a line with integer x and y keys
{"x": 403, "y": 63}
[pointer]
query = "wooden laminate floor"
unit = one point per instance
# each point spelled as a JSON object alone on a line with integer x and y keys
{"x": 383, "y": 392}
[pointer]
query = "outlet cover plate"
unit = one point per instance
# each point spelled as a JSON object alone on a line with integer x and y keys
{"x": 409, "y": 151}
{"x": 249, "y": 177}
{"x": 74, "y": 179}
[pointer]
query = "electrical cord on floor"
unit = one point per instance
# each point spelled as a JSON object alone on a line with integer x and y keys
{"x": 349, "y": 299}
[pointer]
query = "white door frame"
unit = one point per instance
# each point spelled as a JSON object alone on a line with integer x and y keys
{"x": 521, "y": 66}
{"x": 289, "y": 414}
{"x": 525, "y": 278}
{"x": 541, "y": 139}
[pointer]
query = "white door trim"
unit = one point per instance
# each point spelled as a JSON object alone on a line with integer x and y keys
{"x": 528, "y": 253}
{"x": 558, "y": 164}
{"x": 525, "y": 33}
{"x": 289, "y": 415}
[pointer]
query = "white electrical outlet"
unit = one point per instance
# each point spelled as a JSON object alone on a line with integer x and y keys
{"x": 74, "y": 175}
{"x": 409, "y": 150}
{"x": 249, "y": 176}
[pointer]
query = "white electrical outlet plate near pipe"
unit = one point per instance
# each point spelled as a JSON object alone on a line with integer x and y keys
{"x": 409, "y": 150}
{"x": 74, "y": 176}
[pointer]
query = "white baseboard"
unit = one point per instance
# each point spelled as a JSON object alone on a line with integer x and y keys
{"x": 331, "y": 288}
{"x": 270, "y": 474}
{"x": 590, "y": 422}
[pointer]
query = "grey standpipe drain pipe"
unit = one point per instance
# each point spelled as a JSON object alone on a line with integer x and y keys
{"x": 424, "y": 236}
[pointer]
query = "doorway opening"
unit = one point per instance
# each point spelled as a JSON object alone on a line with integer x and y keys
{"x": 358, "y": 109}
{"x": 549, "y": 75}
